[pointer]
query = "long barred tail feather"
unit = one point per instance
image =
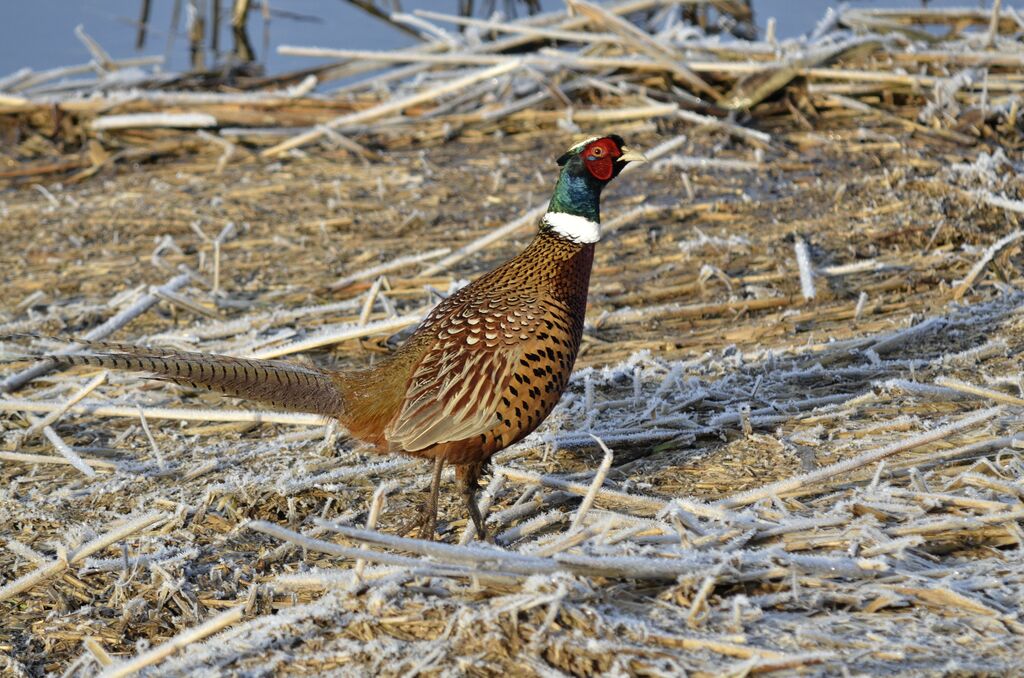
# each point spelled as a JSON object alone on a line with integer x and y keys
{"x": 282, "y": 384}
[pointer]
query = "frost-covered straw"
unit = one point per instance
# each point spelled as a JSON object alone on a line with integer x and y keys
{"x": 180, "y": 414}
{"x": 58, "y": 443}
{"x": 78, "y": 396}
{"x": 791, "y": 484}
{"x": 178, "y": 642}
{"x": 388, "y": 266}
{"x": 376, "y": 505}
{"x": 990, "y": 253}
{"x": 979, "y": 391}
{"x": 803, "y": 262}
{"x": 595, "y": 486}
{"x": 116, "y": 322}
{"x": 413, "y": 565}
{"x": 342, "y": 333}
{"x": 19, "y": 457}
{"x": 64, "y": 449}
{"x": 58, "y": 565}
{"x": 392, "y": 106}
{"x": 614, "y": 497}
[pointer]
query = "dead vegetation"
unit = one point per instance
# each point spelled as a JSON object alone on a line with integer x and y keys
{"x": 792, "y": 443}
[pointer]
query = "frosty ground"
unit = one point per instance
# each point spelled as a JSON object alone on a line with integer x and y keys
{"x": 723, "y": 539}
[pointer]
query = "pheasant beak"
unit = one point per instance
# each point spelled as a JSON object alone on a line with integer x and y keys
{"x": 629, "y": 155}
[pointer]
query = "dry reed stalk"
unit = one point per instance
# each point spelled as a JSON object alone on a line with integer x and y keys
{"x": 329, "y": 337}
{"x": 387, "y": 267}
{"x": 398, "y": 56}
{"x": 376, "y": 505}
{"x": 990, "y": 253}
{"x": 109, "y": 123}
{"x": 390, "y": 107}
{"x": 664, "y": 55}
{"x": 803, "y": 260}
{"x": 988, "y": 393}
{"x": 92, "y": 645}
{"x": 861, "y": 107}
{"x": 595, "y": 485}
{"x": 354, "y": 554}
{"x": 75, "y": 398}
{"x": 371, "y": 299}
{"x": 585, "y": 37}
{"x": 754, "y": 136}
{"x": 20, "y": 457}
{"x": 62, "y": 448}
{"x": 527, "y": 219}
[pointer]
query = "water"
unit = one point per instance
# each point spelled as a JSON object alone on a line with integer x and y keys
{"x": 40, "y": 33}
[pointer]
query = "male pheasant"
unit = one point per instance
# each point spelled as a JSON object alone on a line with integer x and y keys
{"x": 481, "y": 372}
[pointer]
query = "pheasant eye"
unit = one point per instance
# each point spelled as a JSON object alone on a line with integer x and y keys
{"x": 597, "y": 152}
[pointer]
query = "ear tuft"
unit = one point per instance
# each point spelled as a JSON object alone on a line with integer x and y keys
{"x": 565, "y": 157}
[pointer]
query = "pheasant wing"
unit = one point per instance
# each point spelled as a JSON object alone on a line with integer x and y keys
{"x": 453, "y": 394}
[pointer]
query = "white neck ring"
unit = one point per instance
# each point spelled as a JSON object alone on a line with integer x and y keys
{"x": 573, "y": 227}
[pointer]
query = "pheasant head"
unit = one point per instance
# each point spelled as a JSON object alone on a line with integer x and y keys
{"x": 587, "y": 167}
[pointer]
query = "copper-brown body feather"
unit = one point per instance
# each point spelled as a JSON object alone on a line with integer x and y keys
{"x": 486, "y": 366}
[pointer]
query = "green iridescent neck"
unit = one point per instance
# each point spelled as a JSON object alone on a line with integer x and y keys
{"x": 577, "y": 193}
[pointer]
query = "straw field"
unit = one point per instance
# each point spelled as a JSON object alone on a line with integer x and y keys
{"x": 791, "y": 443}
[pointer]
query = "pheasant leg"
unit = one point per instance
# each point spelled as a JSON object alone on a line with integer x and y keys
{"x": 428, "y": 526}
{"x": 468, "y": 476}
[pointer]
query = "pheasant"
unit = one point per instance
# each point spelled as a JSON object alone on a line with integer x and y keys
{"x": 483, "y": 369}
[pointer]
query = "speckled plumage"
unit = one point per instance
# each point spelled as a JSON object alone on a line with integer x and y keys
{"x": 486, "y": 366}
{"x": 481, "y": 372}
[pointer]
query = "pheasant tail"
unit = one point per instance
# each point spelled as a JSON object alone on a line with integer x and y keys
{"x": 282, "y": 384}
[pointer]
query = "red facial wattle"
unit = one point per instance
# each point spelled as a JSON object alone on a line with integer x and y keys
{"x": 599, "y": 158}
